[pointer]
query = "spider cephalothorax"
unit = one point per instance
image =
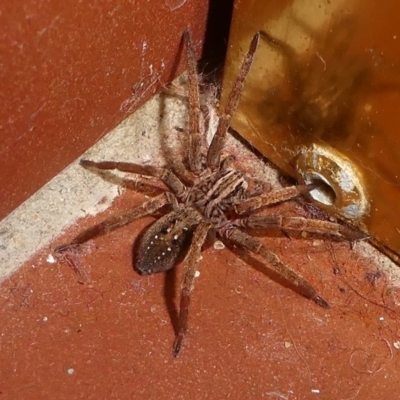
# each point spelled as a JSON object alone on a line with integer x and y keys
{"x": 217, "y": 200}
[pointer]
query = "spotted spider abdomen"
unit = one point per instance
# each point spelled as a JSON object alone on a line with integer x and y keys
{"x": 166, "y": 241}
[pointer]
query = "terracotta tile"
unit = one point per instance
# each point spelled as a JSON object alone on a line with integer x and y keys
{"x": 249, "y": 337}
{"x": 89, "y": 326}
{"x": 72, "y": 73}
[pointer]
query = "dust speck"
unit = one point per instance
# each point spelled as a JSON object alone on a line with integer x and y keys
{"x": 50, "y": 259}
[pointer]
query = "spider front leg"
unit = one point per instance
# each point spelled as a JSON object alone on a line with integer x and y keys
{"x": 120, "y": 220}
{"x": 166, "y": 175}
{"x": 194, "y": 151}
{"x": 242, "y": 239}
{"x": 191, "y": 262}
{"x": 214, "y": 151}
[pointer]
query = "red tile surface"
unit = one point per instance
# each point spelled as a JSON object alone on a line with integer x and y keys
{"x": 105, "y": 332}
{"x": 71, "y": 71}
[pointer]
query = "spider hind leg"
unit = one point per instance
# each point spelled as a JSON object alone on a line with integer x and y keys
{"x": 246, "y": 241}
{"x": 189, "y": 274}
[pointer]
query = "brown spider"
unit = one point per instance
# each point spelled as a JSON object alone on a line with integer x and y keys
{"x": 217, "y": 200}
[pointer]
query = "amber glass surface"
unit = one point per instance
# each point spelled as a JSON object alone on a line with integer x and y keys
{"x": 326, "y": 73}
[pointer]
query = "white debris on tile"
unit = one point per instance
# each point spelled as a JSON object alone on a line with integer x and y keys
{"x": 218, "y": 245}
{"x": 50, "y": 259}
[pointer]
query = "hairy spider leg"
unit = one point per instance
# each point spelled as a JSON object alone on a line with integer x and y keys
{"x": 122, "y": 219}
{"x": 246, "y": 241}
{"x": 194, "y": 150}
{"x": 165, "y": 174}
{"x": 300, "y": 224}
{"x": 273, "y": 197}
{"x": 189, "y": 274}
{"x": 214, "y": 151}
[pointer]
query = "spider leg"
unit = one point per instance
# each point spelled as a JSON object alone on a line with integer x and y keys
{"x": 214, "y": 151}
{"x": 195, "y": 138}
{"x": 273, "y": 197}
{"x": 120, "y": 220}
{"x": 191, "y": 262}
{"x": 166, "y": 175}
{"x": 300, "y": 224}
{"x": 248, "y": 242}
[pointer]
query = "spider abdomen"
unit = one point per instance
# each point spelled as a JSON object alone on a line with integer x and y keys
{"x": 164, "y": 243}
